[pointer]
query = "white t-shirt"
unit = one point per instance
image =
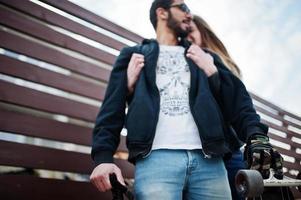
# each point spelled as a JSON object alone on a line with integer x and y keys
{"x": 176, "y": 128}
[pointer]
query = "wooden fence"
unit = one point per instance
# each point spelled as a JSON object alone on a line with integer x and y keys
{"x": 55, "y": 60}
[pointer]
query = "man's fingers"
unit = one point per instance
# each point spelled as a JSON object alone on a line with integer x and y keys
{"x": 139, "y": 60}
{"x": 277, "y": 160}
{"x": 137, "y": 55}
{"x": 191, "y": 56}
{"x": 138, "y": 68}
{"x": 195, "y": 48}
{"x": 106, "y": 182}
{"x": 98, "y": 183}
{"x": 134, "y": 59}
{"x": 255, "y": 163}
{"x": 265, "y": 163}
{"x": 265, "y": 159}
{"x": 277, "y": 164}
{"x": 119, "y": 176}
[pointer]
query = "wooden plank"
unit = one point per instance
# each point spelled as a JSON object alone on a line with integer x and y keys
{"x": 50, "y": 55}
{"x": 34, "y": 188}
{"x": 281, "y": 128}
{"x": 273, "y": 106}
{"x": 19, "y": 95}
{"x": 30, "y": 156}
{"x": 268, "y": 113}
{"x": 53, "y": 18}
{"x": 292, "y": 166}
{"x": 289, "y": 153}
{"x": 265, "y": 102}
{"x": 284, "y": 140}
{"x": 86, "y": 15}
{"x": 33, "y": 126}
{"x": 23, "y": 70}
{"x": 277, "y": 117}
{"x": 47, "y": 34}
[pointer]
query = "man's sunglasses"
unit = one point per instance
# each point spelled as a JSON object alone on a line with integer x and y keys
{"x": 182, "y": 7}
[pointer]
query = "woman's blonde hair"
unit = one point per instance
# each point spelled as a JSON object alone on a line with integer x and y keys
{"x": 213, "y": 43}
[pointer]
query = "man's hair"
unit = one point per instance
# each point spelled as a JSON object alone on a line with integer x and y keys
{"x": 158, "y": 4}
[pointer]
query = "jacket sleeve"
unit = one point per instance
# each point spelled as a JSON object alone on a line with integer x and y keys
{"x": 235, "y": 102}
{"x": 111, "y": 117}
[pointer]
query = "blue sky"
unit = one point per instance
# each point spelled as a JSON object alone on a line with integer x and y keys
{"x": 263, "y": 37}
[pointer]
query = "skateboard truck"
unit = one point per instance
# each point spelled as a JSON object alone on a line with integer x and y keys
{"x": 250, "y": 183}
{"x": 118, "y": 190}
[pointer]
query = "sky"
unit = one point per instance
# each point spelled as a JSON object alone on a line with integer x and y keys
{"x": 262, "y": 36}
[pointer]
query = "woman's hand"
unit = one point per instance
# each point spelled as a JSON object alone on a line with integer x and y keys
{"x": 134, "y": 68}
{"x": 203, "y": 60}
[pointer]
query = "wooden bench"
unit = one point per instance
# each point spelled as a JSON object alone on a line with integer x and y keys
{"x": 52, "y": 82}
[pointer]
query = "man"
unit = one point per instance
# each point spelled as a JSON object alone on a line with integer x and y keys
{"x": 175, "y": 129}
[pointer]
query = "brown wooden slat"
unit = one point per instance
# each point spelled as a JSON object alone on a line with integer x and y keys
{"x": 289, "y": 153}
{"x": 277, "y": 117}
{"x": 273, "y": 106}
{"x": 268, "y": 113}
{"x": 33, "y": 126}
{"x": 41, "y": 52}
{"x": 30, "y": 125}
{"x": 263, "y": 101}
{"x": 19, "y": 95}
{"x": 43, "y": 32}
{"x": 291, "y": 166}
{"x": 46, "y": 15}
{"x": 30, "y": 187}
{"x": 281, "y": 128}
{"x": 13, "y": 67}
{"x": 30, "y": 156}
{"x": 86, "y": 15}
{"x": 284, "y": 140}
{"x": 24, "y": 155}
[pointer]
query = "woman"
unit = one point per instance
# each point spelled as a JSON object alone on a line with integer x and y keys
{"x": 203, "y": 36}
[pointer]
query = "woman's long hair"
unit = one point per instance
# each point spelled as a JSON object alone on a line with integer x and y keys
{"x": 212, "y": 42}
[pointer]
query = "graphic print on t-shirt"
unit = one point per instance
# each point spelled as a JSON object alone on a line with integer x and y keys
{"x": 173, "y": 81}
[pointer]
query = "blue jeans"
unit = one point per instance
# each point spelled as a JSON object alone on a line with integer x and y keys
{"x": 180, "y": 174}
{"x": 233, "y": 165}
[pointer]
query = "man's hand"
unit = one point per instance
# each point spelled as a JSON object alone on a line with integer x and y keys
{"x": 100, "y": 176}
{"x": 135, "y": 65}
{"x": 203, "y": 60}
{"x": 261, "y": 156}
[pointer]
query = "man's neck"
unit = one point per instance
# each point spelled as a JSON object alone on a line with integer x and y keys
{"x": 165, "y": 36}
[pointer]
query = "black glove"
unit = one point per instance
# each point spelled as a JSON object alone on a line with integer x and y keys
{"x": 260, "y": 155}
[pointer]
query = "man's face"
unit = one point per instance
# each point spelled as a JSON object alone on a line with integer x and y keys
{"x": 179, "y": 18}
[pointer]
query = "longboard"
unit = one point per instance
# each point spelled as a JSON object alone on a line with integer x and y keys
{"x": 250, "y": 183}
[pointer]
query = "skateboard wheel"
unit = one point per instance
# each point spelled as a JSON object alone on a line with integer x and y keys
{"x": 249, "y": 183}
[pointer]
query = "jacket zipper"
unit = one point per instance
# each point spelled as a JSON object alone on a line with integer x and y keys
{"x": 205, "y": 154}
{"x": 193, "y": 114}
{"x": 149, "y": 150}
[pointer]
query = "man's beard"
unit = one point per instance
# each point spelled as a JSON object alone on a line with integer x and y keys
{"x": 176, "y": 27}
